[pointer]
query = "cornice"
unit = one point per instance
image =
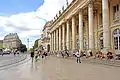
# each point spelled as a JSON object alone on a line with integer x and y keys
{"x": 71, "y": 10}
{"x": 64, "y": 12}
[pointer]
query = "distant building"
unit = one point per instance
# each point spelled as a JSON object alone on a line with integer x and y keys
{"x": 40, "y": 43}
{"x": 44, "y": 41}
{"x": 1, "y": 44}
{"x": 11, "y": 41}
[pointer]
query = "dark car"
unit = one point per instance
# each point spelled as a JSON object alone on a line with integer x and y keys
{"x": 117, "y": 57}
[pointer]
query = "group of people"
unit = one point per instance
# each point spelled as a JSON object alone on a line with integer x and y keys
{"x": 66, "y": 53}
{"x": 75, "y": 53}
{"x": 63, "y": 53}
{"x": 101, "y": 55}
{"x": 79, "y": 54}
{"x": 36, "y": 55}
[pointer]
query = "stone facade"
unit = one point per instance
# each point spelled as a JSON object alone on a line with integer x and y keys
{"x": 11, "y": 41}
{"x": 45, "y": 37}
{"x": 87, "y": 25}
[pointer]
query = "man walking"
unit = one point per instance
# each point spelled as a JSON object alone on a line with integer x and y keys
{"x": 78, "y": 56}
{"x": 32, "y": 55}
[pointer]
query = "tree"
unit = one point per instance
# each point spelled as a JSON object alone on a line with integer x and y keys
{"x": 23, "y": 48}
{"x": 36, "y": 44}
{"x": 1, "y": 46}
{"x": 31, "y": 49}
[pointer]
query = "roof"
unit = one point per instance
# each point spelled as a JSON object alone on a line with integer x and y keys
{"x": 11, "y": 35}
{"x": 47, "y": 24}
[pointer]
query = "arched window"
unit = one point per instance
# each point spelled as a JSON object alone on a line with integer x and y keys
{"x": 116, "y": 35}
{"x": 101, "y": 41}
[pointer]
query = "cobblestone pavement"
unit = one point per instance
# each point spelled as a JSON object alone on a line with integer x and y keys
{"x": 54, "y": 68}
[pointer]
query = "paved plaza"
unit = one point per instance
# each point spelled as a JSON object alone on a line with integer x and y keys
{"x": 53, "y": 68}
{"x": 6, "y": 57}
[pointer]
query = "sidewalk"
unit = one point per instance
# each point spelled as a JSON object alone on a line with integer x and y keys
{"x": 115, "y": 63}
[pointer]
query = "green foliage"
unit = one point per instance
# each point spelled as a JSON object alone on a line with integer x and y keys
{"x": 23, "y": 48}
{"x": 1, "y": 46}
{"x": 31, "y": 49}
{"x": 36, "y": 44}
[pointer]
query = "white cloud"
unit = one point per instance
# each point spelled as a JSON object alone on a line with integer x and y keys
{"x": 31, "y": 23}
{"x": 50, "y": 8}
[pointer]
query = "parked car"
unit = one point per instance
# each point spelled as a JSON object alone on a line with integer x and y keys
{"x": 117, "y": 57}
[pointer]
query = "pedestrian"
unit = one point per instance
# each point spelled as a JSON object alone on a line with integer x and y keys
{"x": 91, "y": 54}
{"x": 43, "y": 54}
{"x": 32, "y": 55}
{"x": 78, "y": 56}
{"x": 14, "y": 53}
{"x": 36, "y": 57}
{"x": 67, "y": 53}
{"x": 46, "y": 54}
{"x": 62, "y": 53}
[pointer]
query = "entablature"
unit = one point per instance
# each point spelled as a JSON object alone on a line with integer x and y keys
{"x": 69, "y": 12}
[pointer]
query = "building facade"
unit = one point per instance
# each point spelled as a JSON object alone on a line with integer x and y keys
{"x": 44, "y": 42}
{"x": 40, "y": 43}
{"x": 87, "y": 25}
{"x": 11, "y": 41}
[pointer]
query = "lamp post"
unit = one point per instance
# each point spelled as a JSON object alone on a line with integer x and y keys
{"x": 28, "y": 43}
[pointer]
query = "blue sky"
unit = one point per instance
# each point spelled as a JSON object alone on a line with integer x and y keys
{"x": 13, "y": 7}
{"x": 27, "y": 17}
{"x": 10, "y": 7}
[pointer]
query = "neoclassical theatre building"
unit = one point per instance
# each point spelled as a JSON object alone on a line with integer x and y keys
{"x": 87, "y": 25}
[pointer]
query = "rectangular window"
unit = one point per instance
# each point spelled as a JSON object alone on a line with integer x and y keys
{"x": 116, "y": 13}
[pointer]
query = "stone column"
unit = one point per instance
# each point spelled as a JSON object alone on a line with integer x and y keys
{"x": 68, "y": 36}
{"x": 81, "y": 42}
{"x": 96, "y": 30}
{"x": 60, "y": 38}
{"x": 119, "y": 9}
{"x": 91, "y": 28}
{"x": 73, "y": 32}
{"x": 54, "y": 41}
{"x": 51, "y": 41}
{"x": 106, "y": 31}
{"x": 57, "y": 44}
{"x": 63, "y": 36}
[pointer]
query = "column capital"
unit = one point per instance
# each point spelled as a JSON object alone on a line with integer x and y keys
{"x": 90, "y": 4}
{"x": 80, "y": 10}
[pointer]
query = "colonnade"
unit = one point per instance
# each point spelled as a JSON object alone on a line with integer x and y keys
{"x": 61, "y": 37}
